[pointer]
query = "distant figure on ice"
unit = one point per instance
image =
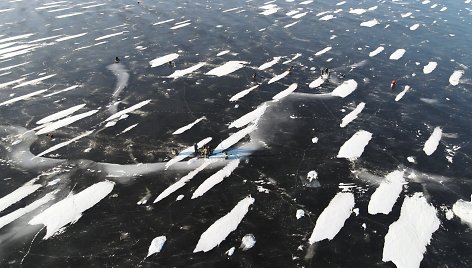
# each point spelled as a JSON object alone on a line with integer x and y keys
{"x": 393, "y": 84}
{"x": 325, "y": 73}
{"x": 171, "y": 64}
{"x": 51, "y": 136}
{"x": 195, "y": 149}
{"x": 117, "y": 60}
{"x": 290, "y": 69}
{"x": 254, "y": 76}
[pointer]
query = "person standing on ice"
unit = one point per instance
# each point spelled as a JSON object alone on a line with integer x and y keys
{"x": 195, "y": 149}
{"x": 393, "y": 84}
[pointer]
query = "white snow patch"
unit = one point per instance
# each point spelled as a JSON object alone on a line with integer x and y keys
{"x": 370, "y": 23}
{"x": 407, "y": 238}
{"x": 220, "y": 229}
{"x": 180, "y": 73}
{"x": 352, "y": 115}
{"x": 163, "y": 60}
{"x": 385, "y": 196}
{"x": 327, "y": 17}
{"x": 24, "y": 97}
{"x": 189, "y": 126}
{"x": 346, "y": 88}
{"x": 430, "y": 67}
{"x": 180, "y": 25}
{"x": 222, "y": 53}
{"x": 414, "y": 27}
{"x": 69, "y": 15}
{"x": 4, "y": 220}
{"x": 34, "y": 81}
{"x": 357, "y": 11}
{"x": 300, "y": 213}
{"x": 278, "y": 77}
{"x": 397, "y": 54}
{"x": 235, "y": 138}
{"x": 324, "y": 50}
{"x": 230, "y": 251}
{"x": 243, "y": 93}
{"x": 248, "y": 242}
{"x": 17, "y": 195}
{"x": 317, "y": 82}
{"x": 64, "y": 122}
{"x": 405, "y": 15}
{"x": 463, "y": 210}
{"x": 401, "y": 94}
{"x": 333, "y": 217}
{"x": 156, "y": 245}
{"x": 432, "y": 143}
{"x": 61, "y": 114}
{"x": 216, "y": 178}
{"x": 69, "y": 210}
{"x": 227, "y": 68}
{"x": 270, "y": 63}
{"x": 299, "y": 15}
{"x": 354, "y": 147}
{"x": 455, "y": 77}
{"x": 376, "y": 51}
{"x": 250, "y": 117}
{"x": 128, "y": 110}
{"x": 70, "y": 37}
{"x": 62, "y": 91}
{"x": 62, "y": 144}
{"x": 285, "y": 92}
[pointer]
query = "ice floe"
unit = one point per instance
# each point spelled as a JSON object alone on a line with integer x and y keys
{"x": 397, "y": 54}
{"x": 414, "y": 27}
{"x": 385, "y": 196}
{"x": 128, "y": 110}
{"x": 370, "y": 23}
{"x": 163, "y": 60}
{"x": 180, "y": 73}
{"x": 357, "y": 11}
{"x": 61, "y": 114}
{"x": 323, "y": 51}
{"x": 352, "y": 115}
{"x": 4, "y": 220}
{"x": 433, "y": 141}
{"x": 429, "y": 68}
{"x": 285, "y": 92}
{"x": 220, "y": 229}
{"x": 270, "y": 63}
{"x": 317, "y": 82}
{"x": 278, "y": 77}
{"x": 354, "y": 147}
{"x": 23, "y": 97}
{"x": 407, "y": 238}
{"x": 243, "y": 93}
{"x": 69, "y": 210}
{"x": 65, "y": 143}
{"x": 376, "y": 51}
{"x": 17, "y": 195}
{"x": 463, "y": 210}
{"x": 156, "y": 245}
{"x": 64, "y": 122}
{"x": 216, "y": 178}
{"x": 227, "y": 68}
{"x": 187, "y": 127}
{"x": 250, "y": 117}
{"x": 401, "y": 94}
{"x": 455, "y": 77}
{"x": 333, "y": 217}
{"x": 327, "y": 17}
{"x": 346, "y": 88}
{"x": 247, "y": 242}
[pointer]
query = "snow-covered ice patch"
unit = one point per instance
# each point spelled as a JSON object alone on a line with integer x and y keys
{"x": 180, "y": 73}
{"x": 220, "y": 229}
{"x": 17, "y": 195}
{"x": 216, "y": 178}
{"x": 156, "y": 245}
{"x": 317, "y": 82}
{"x": 397, "y": 54}
{"x": 433, "y": 141}
{"x": 429, "y": 68}
{"x": 407, "y": 238}
{"x": 60, "y": 114}
{"x": 354, "y": 147}
{"x": 333, "y": 217}
{"x": 401, "y": 94}
{"x": 352, "y": 115}
{"x": 299, "y": 214}
{"x": 455, "y": 77}
{"x": 327, "y": 17}
{"x": 346, "y": 88}
{"x": 127, "y": 110}
{"x": 224, "y": 52}
{"x": 163, "y": 60}
{"x": 385, "y": 196}
{"x": 285, "y": 92}
{"x": 253, "y": 116}
{"x": 463, "y": 210}
{"x": 63, "y": 144}
{"x": 187, "y": 127}
{"x": 227, "y": 68}
{"x": 248, "y": 242}
{"x": 69, "y": 210}
{"x": 270, "y": 63}
{"x": 278, "y": 77}
{"x": 243, "y": 93}
{"x": 414, "y": 27}
{"x": 324, "y": 50}
{"x": 370, "y": 23}
{"x": 234, "y": 138}
{"x": 376, "y": 51}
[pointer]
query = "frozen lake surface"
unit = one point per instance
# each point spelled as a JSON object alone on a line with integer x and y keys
{"x": 102, "y": 104}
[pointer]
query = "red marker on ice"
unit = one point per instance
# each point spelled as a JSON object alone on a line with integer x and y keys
{"x": 393, "y": 84}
